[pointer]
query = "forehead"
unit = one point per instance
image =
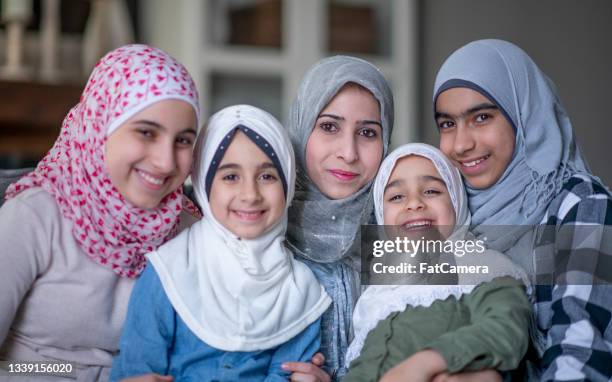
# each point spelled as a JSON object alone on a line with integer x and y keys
{"x": 414, "y": 169}
{"x": 242, "y": 150}
{"x": 458, "y": 100}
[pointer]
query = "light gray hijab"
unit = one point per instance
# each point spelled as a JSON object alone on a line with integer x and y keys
{"x": 321, "y": 229}
{"x": 545, "y": 153}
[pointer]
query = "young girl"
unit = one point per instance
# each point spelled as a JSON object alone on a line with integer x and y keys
{"x": 74, "y": 231}
{"x": 340, "y": 125}
{"x": 502, "y": 124}
{"x": 225, "y": 300}
{"x": 423, "y": 330}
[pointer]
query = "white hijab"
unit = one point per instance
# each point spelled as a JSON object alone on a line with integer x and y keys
{"x": 369, "y": 309}
{"x": 236, "y": 294}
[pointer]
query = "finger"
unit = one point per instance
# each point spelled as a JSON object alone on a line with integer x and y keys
{"x": 318, "y": 359}
{"x": 300, "y": 377}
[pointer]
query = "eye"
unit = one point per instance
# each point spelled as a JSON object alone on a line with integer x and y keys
{"x": 230, "y": 177}
{"x": 445, "y": 124}
{"x": 482, "y": 117}
{"x": 368, "y": 132}
{"x": 268, "y": 177}
{"x": 328, "y": 127}
{"x": 395, "y": 198}
{"x": 432, "y": 191}
{"x": 184, "y": 141}
{"x": 146, "y": 133}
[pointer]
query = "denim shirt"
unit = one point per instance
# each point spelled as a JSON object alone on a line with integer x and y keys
{"x": 156, "y": 340}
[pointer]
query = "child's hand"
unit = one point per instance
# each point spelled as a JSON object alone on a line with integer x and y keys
{"x": 308, "y": 372}
{"x": 475, "y": 376}
{"x": 149, "y": 378}
{"x": 420, "y": 367}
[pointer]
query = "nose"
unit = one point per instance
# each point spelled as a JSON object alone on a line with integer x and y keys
{"x": 249, "y": 192}
{"x": 347, "y": 148}
{"x": 163, "y": 157}
{"x": 414, "y": 203}
{"x": 464, "y": 141}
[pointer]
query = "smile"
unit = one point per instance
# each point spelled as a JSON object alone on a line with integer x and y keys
{"x": 417, "y": 224}
{"x": 249, "y": 216}
{"x": 343, "y": 175}
{"x": 151, "y": 180}
{"x": 474, "y": 162}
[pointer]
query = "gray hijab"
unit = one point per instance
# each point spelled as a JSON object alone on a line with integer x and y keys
{"x": 545, "y": 153}
{"x": 321, "y": 229}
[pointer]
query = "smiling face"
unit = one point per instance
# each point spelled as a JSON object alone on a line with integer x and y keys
{"x": 475, "y": 135}
{"x": 345, "y": 147}
{"x": 246, "y": 195}
{"x": 416, "y": 199}
{"x": 149, "y": 156}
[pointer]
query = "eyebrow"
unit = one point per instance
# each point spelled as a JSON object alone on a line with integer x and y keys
{"x": 158, "y": 126}
{"x": 428, "y": 178}
{"x": 472, "y": 110}
{"x": 261, "y": 166}
{"x": 361, "y": 122}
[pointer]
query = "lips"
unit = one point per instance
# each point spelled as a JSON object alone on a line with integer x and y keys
{"x": 475, "y": 165}
{"x": 413, "y": 225}
{"x": 249, "y": 216}
{"x": 151, "y": 181}
{"x": 342, "y": 175}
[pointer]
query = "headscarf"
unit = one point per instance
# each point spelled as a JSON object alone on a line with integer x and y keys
{"x": 321, "y": 229}
{"x": 379, "y": 301}
{"x": 110, "y": 230}
{"x": 545, "y": 153}
{"x": 239, "y": 294}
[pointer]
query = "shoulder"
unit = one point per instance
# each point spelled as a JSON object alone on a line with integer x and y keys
{"x": 582, "y": 200}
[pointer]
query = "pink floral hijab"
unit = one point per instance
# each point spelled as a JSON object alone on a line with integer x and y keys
{"x": 110, "y": 230}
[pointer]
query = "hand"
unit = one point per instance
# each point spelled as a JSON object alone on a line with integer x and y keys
{"x": 489, "y": 375}
{"x": 420, "y": 367}
{"x": 149, "y": 378}
{"x": 308, "y": 372}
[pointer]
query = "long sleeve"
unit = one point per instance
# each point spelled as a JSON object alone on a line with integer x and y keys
{"x": 576, "y": 307}
{"x": 25, "y": 236}
{"x": 300, "y": 348}
{"x": 497, "y": 336}
{"x": 148, "y": 331}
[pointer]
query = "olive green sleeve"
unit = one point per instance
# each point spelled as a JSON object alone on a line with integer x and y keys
{"x": 498, "y": 335}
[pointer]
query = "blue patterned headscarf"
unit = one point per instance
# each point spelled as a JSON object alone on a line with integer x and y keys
{"x": 545, "y": 153}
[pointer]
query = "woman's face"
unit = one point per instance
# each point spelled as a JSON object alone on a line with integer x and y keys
{"x": 475, "y": 135}
{"x": 345, "y": 147}
{"x": 149, "y": 156}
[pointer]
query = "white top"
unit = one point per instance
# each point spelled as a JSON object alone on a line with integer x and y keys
{"x": 56, "y": 303}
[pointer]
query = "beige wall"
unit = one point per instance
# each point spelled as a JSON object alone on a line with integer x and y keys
{"x": 571, "y": 40}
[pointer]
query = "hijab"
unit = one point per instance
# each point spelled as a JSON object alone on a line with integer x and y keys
{"x": 369, "y": 309}
{"x": 321, "y": 229}
{"x": 545, "y": 153}
{"x": 239, "y": 294}
{"x": 110, "y": 230}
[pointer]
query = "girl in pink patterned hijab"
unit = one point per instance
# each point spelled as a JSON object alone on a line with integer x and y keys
{"x": 73, "y": 233}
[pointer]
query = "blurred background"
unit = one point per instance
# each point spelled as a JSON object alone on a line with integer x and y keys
{"x": 256, "y": 51}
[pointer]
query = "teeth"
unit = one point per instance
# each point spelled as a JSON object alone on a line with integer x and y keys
{"x": 474, "y": 162}
{"x": 424, "y": 223}
{"x": 248, "y": 214}
{"x": 151, "y": 179}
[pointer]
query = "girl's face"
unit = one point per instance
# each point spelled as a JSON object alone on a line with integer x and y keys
{"x": 475, "y": 135}
{"x": 416, "y": 198}
{"x": 149, "y": 156}
{"x": 345, "y": 147}
{"x": 246, "y": 195}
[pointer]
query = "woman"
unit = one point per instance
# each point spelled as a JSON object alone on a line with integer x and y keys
{"x": 503, "y": 125}
{"x": 340, "y": 126}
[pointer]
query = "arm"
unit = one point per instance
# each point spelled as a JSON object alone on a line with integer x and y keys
{"x": 148, "y": 332}
{"x": 300, "y": 348}
{"x": 498, "y": 334}
{"x": 580, "y": 328}
{"x": 25, "y": 247}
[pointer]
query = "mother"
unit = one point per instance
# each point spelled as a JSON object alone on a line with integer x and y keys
{"x": 503, "y": 125}
{"x": 340, "y": 125}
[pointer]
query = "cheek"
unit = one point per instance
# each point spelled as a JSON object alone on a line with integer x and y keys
{"x": 371, "y": 155}
{"x": 314, "y": 155}
{"x": 446, "y": 144}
